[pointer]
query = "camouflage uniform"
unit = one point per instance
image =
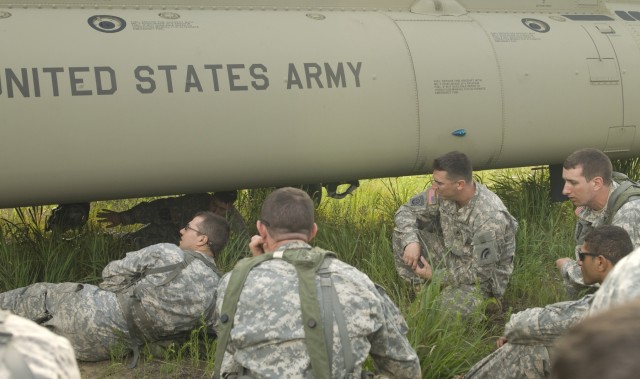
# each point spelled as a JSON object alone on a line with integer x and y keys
{"x": 530, "y": 335}
{"x": 47, "y": 355}
{"x": 165, "y": 217}
{"x": 268, "y": 338}
{"x": 469, "y": 246}
{"x": 627, "y": 217}
{"x": 91, "y": 317}
{"x": 621, "y": 285}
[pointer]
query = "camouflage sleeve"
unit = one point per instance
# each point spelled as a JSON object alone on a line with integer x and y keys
{"x": 627, "y": 218}
{"x": 390, "y": 349}
{"x": 409, "y": 216}
{"x": 545, "y": 325}
{"x": 493, "y": 247}
{"x": 572, "y": 279}
{"x": 121, "y": 273}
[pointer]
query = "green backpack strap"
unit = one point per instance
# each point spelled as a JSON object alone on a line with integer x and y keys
{"x": 626, "y": 190}
{"x": 307, "y": 263}
{"x": 230, "y": 303}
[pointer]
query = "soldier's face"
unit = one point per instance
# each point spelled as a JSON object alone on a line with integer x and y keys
{"x": 444, "y": 187}
{"x": 588, "y": 266}
{"x": 190, "y": 235}
{"x": 577, "y": 188}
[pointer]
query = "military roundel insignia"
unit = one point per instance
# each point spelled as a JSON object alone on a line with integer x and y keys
{"x": 418, "y": 200}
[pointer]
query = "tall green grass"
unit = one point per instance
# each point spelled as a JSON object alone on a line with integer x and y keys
{"x": 358, "y": 228}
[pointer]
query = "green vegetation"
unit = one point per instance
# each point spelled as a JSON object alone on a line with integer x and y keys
{"x": 359, "y": 229}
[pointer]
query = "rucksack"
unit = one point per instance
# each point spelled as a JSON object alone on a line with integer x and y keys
{"x": 318, "y": 330}
{"x": 627, "y": 190}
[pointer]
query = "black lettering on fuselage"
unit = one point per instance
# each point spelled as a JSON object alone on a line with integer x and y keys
{"x": 77, "y": 81}
{"x": 356, "y": 72}
{"x": 145, "y": 79}
{"x": 259, "y": 76}
{"x": 53, "y": 72}
{"x": 292, "y": 77}
{"x": 192, "y": 80}
{"x": 234, "y": 77}
{"x": 337, "y": 77}
{"x": 21, "y": 85}
{"x": 100, "y": 89}
{"x": 214, "y": 74}
{"x": 333, "y": 76}
{"x": 167, "y": 70}
{"x": 313, "y": 71}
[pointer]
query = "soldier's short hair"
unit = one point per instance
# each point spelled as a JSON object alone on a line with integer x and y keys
{"x": 594, "y": 163}
{"x": 288, "y": 210}
{"x": 456, "y": 165}
{"x": 610, "y": 241}
{"x": 604, "y": 346}
{"x": 216, "y": 228}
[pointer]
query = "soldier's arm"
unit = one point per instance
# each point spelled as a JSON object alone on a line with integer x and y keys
{"x": 120, "y": 273}
{"x": 156, "y": 211}
{"x": 410, "y": 215}
{"x": 390, "y": 349}
{"x": 545, "y": 325}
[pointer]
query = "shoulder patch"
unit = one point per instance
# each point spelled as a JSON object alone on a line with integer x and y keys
{"x": 418, "y": 200}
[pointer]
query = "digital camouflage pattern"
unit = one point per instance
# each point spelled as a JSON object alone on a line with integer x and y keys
{"x": 268, "y": 339}
{"x": 91, "y": 317}
{"x": 47, "y": 355}
{"x": 165, "y": 217}
{"x": 470, "y": 246}
{"x": 621, "y": 285}
{"x": 530, "y": 335}
{"x": 627, "y": 217}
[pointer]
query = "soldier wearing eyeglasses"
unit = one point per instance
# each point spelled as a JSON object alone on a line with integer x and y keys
{"x": 526, "y": 348}
{"x": 157, "y": 294}
{"x": 163, "y": 217}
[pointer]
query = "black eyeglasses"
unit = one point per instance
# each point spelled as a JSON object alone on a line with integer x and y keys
{"x": 187, "y": 227}
{"x": 265, "y": 222}
{"x": 581, "y": 256}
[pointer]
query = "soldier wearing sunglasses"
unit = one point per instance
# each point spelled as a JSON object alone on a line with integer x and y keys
{"x": 525, "y": 349}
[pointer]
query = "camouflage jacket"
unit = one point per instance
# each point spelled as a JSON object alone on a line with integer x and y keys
{"x": 171, "y": 306}
{"x": 627, "y": 217}
{"x": 177, "y": 211}
{"x": 268, "y": 337}
{"x": 542, "y": 326}
{"x": 479, "y": 238}
{"x": 621, "y": 285}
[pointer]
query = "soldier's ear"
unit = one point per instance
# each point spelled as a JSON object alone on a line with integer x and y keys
{"x": 598, "y": 182}
{"x": 314, "y": 231}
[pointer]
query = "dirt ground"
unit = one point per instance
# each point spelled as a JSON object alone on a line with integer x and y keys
{"x": 149, "y": 369}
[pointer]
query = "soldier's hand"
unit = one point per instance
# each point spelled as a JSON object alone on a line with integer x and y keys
{"x": 561, "y": 262}
{"x": 411, "y": 255}
{"x": 425, "y": 272}
{"x": 256, "y": 245}
{"x": 501, "y": 341}
{"x": 111, "y": 218}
